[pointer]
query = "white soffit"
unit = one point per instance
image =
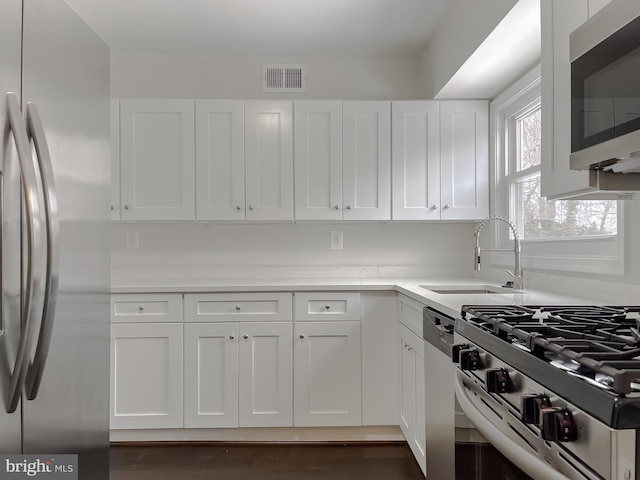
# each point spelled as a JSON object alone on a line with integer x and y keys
{"x": 511, "y": 50}
{"x": 310, "y": 28}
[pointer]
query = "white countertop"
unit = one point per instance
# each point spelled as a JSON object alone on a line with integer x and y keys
{"x": 448, "y": 304}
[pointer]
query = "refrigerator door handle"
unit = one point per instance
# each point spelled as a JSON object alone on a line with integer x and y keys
{"x": 32, "y": 244}
{"x": 37, "y": 134}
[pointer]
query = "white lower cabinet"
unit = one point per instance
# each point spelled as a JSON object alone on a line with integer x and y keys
{"x": 327, "y": 374}
{"x": 238, "y": 374}
{"x": 245, "y": 360}
{"x": 412, "y": 393}
{"x": 146, "y": 375}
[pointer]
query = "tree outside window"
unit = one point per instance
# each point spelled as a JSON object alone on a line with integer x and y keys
{"x": 538, "y": 218}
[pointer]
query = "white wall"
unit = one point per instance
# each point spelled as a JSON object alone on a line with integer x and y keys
{"x": 252, "y": 250}
{"x": 202, "y": 76}
{"x": 246, "y": 250}
{"x": 467, "y": 24}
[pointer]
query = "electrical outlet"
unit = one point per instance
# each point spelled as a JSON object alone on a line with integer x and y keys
{"x": 132, "y": 239}
{"x": 336, "y": 240}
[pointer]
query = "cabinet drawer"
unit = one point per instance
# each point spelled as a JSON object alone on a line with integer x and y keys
{"x": 214, "y": 307}
{"x": 149, "y": 307}
{"x": 327, "y": 306}
{"x": 410, "y": 314}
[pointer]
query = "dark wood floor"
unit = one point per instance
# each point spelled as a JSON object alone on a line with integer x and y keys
{"x": 388, "y": 461}
{"x": 240, "y": 461}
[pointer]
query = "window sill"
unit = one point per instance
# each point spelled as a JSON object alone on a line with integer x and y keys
{"x": 589, "y": 263}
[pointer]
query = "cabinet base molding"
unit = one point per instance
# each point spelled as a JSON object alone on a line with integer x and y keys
{"x": 313, "y": 434}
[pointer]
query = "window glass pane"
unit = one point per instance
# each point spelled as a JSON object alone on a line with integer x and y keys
{"x": 528, "y": 130}
{"x": 539, "y": 218}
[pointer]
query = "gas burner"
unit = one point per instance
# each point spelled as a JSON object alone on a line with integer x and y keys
{"x": 599, "y": 341}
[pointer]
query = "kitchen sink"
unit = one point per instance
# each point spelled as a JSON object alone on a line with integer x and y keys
{"x": 467, "y": 289}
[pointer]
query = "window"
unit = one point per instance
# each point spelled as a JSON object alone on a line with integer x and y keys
{"x": 571, "y": 235}
{"x": 536, "y": 217}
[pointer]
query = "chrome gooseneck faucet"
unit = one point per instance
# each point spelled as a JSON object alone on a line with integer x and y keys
{"x": 518, "y": 281}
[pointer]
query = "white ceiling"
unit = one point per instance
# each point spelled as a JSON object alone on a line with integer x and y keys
{"x": 344, "y": 28}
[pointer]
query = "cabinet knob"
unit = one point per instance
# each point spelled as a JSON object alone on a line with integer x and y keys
{"x": 434, "y": 207}
{"x": 126, "y": 207}
{"x": 446, "y": 205}
{"x": 140, "y": 308}
{"x": 250, "y": 207}
{"x": 336, "y": 207}
{"x": 302, "y": 336}
{"x": 113, "y": 207}
{"x": 245, "y": 336}
{"x": 348, "y": 207}
{"x": 327, "y": 307}
{"x": 238, "y": 308}
{"x": 238, "y": 207}
{"x": 231, "y": 337}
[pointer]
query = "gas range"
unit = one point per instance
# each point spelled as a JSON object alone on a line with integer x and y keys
{"x": 557, "y": 387}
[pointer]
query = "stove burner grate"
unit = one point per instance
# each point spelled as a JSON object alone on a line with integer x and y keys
{"x": 603, "y": 340}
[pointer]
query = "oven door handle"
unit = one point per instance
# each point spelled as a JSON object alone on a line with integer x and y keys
{"x": 527, "y": 462}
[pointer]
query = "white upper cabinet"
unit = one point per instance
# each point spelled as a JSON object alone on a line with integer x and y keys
{"x": 269, "y": 160}
{"x": 157, "y": 159}
{"x": 115, "y": 159}
{"x": 464, "y": 159}
{"x": 366, "y": 160}
{"x": 416, "y": 160}
{"x": 342, "y": 160}
{"x": 558, "y": 20}
{"x": 440, "y": 160}
{"x": 220, "y": 193}
{"x": 318, "y": 160}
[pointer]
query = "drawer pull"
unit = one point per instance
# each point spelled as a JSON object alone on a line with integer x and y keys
{"x": 327, "y": 307}
{"x": 140, "y": 308}
{"x": 238, "y": 308}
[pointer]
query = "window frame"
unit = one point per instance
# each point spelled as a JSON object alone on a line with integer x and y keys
{"x": 602, "y": 254}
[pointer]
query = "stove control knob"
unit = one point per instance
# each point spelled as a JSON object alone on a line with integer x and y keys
{"x": 532, "y": 403}
{"x": 455, "y": 351}
{"x": 498, "y": 381}
{"x": 470, "y": 359}
{"x": 558, "y": 425}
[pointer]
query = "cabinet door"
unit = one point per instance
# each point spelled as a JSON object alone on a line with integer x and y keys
{"x": 327, "y": 375}
{"x": 407, "y": 387}
{"x": 157, "y": 159}
{"x": 366, "y": 160}
{"x": 115, "y": 159}
{"x": 416, "y": 160}
{"x": 412, "y": 393}
{"x": 265, "y": 374}
{"x": 269, "y": 160}
{"x": 220, "y": 160}
{"x": 210, "y": 375}
{"x": 146, "y": 375}
{"x": 318, "y": 160}
{"x": 464, "y": 159}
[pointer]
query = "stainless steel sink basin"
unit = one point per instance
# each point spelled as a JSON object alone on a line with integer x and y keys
{"x": 466, "y": 289}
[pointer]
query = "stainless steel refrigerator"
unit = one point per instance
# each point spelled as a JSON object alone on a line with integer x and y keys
{"x": 54, "y": 165}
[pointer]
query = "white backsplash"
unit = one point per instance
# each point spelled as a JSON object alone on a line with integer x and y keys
{"x": 393, "y": 250}
{"x": 292, "y": 251}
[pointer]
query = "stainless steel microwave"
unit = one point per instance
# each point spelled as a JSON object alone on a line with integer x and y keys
{"x": 605, "y": 90}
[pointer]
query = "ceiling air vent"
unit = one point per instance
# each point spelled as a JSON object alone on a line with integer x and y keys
{"x": 283, "y": 78}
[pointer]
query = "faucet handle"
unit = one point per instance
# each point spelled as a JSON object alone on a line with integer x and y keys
{"x": 518, "y": 280}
